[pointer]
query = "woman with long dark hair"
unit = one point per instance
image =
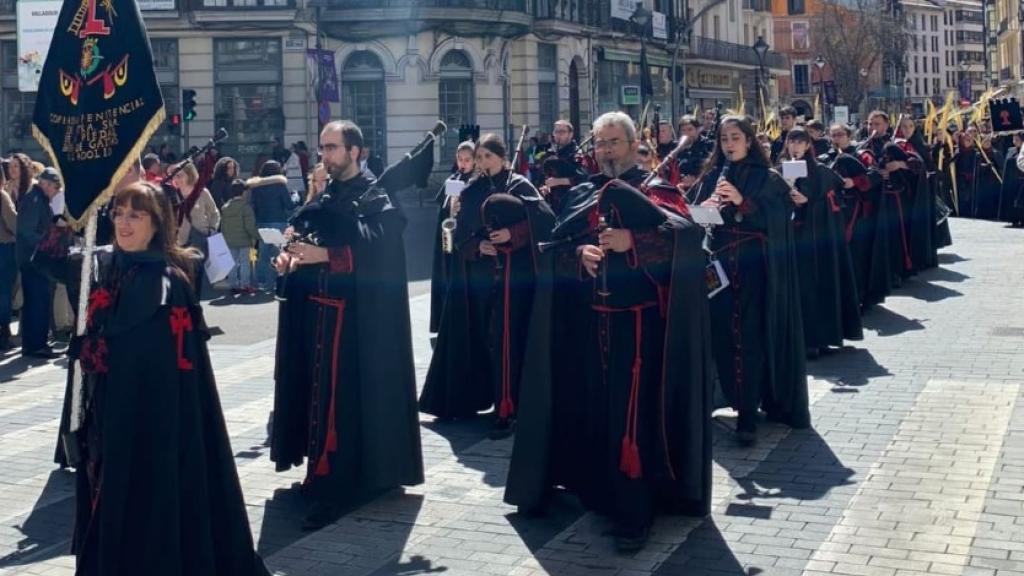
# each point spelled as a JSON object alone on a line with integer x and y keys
{"x": 157, "y": 488}
{"x": 756, "y": 324}
{"x": 483, "y": 323}
{"x": 828, "y": 291}
{"x": 19, "y": 176}
{"x": 225, "y": 171}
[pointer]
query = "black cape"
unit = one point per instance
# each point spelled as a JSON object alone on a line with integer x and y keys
{"x": 1011, "y": 195}
{"x": 548, "y": 440}
{"x": 828, "y": 290}
{"x": 442, "y": 262}
{"x": 157, "y": 492}
{"x": 368, "y": 349}
{"x": 459, "y": 380}
{"x": 778, "y": 331}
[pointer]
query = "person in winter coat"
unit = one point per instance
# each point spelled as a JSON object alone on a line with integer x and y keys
{"x": 198, "y": 217}
{"x": 238, "y": 224}
{"x": 272, "y": 205}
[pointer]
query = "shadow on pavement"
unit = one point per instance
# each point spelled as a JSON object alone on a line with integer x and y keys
{"x": 471, "y": 447}
{"x": 46, "y": 530}
{"x": 801, "y": 466}
{"x": 942, "y": 275}
{"x": 282, "y": 521}
{"x": 12, "y": 363}
{"x": 704, "y": 551}
{"x": 922, "y": 289}
{"x": 949, "y": 258}
{"x": 888, "y": 323}
{"x": 848, "y": 367}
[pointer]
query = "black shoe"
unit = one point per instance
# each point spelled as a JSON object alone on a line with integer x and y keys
{"x": 746, "y": 438}
{"x": 45, "y": 353}
{"x": 628, "y": 541}
{"x": 501, "y": 429}
{"x": 320, "y": 515}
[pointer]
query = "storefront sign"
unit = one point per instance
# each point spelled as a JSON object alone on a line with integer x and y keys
{"x": 708, "y": 78}
{"x": 841, "y": 115}
{"x": 630, "y": 96}
{"x": 156, "y": 4}
{"x": 36, "y": 21}
{"x": 623, "y": 9}
{"x": 660, "y": 25}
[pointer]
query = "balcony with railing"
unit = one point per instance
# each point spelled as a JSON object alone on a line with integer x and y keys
{"x": 554, "y": 13}
{"x": 368, "y": 19}
{"x": 757, "y": 5}
{"x": 243, "y": 4}
{"x": 721, "y": 51}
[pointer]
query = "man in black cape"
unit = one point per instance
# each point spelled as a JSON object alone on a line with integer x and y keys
{"x": 628, "y": 449}
{"x": 345, "y": 394}
{"x": 560, "y": 167}
{"x": 861, "y": 190}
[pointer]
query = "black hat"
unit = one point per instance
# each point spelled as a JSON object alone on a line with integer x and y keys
{"x": 502, "y": 211}
{"x": 627, "y": 207}
{"x": 849, "y": 166}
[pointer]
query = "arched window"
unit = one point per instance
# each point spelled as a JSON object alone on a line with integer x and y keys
{"x": 456, "y": 99}
{"x": 364, "y": 99}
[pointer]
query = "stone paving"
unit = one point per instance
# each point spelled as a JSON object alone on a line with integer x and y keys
{"x": 915, "y": 463}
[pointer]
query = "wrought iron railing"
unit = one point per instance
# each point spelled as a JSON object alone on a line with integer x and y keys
{"x": 719, "y": 50}
{"x": 517, "y": 5}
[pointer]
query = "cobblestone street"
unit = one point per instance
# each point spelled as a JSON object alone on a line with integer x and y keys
{"x": 914, "y": 465}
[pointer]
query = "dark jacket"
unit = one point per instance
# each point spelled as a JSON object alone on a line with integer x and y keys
{"x": 270, "y": 199}
{"x": 237, "y": 223}
{"x": 34, "y": 219}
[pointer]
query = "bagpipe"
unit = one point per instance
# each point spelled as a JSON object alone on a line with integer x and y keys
{"x": 329, "y": 221}
{"x": 617, "y": 204}
{"x": 499, "y": 210}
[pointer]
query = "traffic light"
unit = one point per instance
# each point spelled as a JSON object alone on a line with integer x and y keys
{"x": 174, "y": 123}
{"x": 188, "y": 104}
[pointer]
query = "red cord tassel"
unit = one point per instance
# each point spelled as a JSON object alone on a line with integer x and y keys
{"x": 629, "y": 457}
{"x": 629, "y": 460}
{"x": 507, "y": 408}
{"x": 323, "y": 468}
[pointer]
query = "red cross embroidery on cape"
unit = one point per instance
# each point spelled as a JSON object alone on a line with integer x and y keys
{"x": 181, "y": 322}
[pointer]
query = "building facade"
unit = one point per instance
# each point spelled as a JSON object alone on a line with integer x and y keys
{"x": 402, "y": 64}
{"x": 1010, "y": 44}
{"x": 931, "y": 58}
{"x": 967, "y": 18}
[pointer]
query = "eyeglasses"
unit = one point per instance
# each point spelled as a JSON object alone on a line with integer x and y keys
{"x": 132, "y": 216}
{"x": 613, "y": 143}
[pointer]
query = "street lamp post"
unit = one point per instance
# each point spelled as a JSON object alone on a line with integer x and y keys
{"x": 864, "y": 83}
{"x": 760, "y": 49}
{"x": 640, "y": 18}
{"x": 819, "y": 63}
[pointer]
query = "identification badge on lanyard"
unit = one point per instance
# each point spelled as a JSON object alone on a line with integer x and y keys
{"x": 715, "y": 277}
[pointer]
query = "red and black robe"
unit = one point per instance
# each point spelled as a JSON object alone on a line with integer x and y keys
{"x": 482, "y": 324}
{"x": 616, "y": 389}
{"x": 345, "y": 388}
{"x": 157, "y": 489}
